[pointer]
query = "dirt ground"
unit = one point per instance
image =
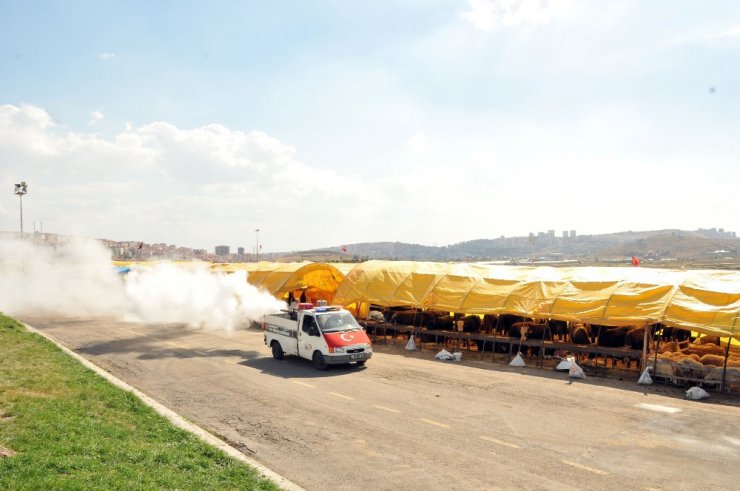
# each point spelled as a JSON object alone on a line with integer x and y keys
{"x": 407, "y": 421}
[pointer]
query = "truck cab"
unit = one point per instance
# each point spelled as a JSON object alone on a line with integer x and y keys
{"x": 324, "y": 335}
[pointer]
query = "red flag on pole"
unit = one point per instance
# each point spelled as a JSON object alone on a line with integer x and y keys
{"x": 344, "y": 249}
{"x": 141, "y": 244}
{"x": 635, "y": 261}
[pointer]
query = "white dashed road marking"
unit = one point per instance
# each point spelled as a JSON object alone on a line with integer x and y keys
{"x": 734, "y": 441}
{"x": 659, "y": 408}
{"x": 435, "y": 423}
{"x": 304, "y": 384}
{"x": 387, "y": 409}
{"x": 342, "y": 396}
{"x": 585, "y": 467}
{"x": 500, "y": 442}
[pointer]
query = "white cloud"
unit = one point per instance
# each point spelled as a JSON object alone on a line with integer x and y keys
{"x": 733, "y": 32}
{"x": 711, "y": 36}
{"x": 489, "y": 14}
{"x": 201, "y": 186}
{"x": 419, "y": 143}
{"x": 105, "y": 56}
{"x": 95, "y": 118}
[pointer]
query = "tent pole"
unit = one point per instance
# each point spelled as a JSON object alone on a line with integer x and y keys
{"x": 724, "y": 369}
{"x": 643, "y": 363}
{"x": 657, "y": 347}
{"x": 598, "y": 340}
{"x": 493, "y": 347}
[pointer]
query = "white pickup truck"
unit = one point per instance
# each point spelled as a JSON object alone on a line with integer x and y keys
{"x": 324, "y": 335}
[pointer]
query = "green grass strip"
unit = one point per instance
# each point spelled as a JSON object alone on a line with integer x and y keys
{"x": 67, "y": 428}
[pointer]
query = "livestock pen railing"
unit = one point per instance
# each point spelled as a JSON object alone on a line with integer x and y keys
{"x": 596, "y": 360}
{"x": 542, "y": 352}
{"x": 691, "y": 361}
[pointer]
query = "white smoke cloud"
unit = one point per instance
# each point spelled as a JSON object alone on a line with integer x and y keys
{"x": 195, "y": 295}
{"x": 76, "y": 279}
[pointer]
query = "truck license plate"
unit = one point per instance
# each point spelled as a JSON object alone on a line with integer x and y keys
{"x": 355, "y": 357}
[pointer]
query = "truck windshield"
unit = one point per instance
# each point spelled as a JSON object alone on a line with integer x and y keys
{"x": 337, "y": 321}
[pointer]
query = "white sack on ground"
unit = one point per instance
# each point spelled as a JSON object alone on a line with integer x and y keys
{"x": 696, "y": 393}
{"x": 575, "y": 371}
{"x": 518, "y": 361}
{"x": 411, "y": 345}
{"x": 645, "y": 378}
{"x": 444, "y": 355}
{"x": 563, "y": 366}
{"x": 457, "y": 355}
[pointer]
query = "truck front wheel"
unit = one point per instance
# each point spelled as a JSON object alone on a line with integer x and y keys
{"x": 277, "y": 350}
{"x": 319, "y": 362}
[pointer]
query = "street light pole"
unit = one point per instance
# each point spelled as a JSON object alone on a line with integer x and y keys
{"x": 257, "y": 250}
{"x": 20, "y": 190}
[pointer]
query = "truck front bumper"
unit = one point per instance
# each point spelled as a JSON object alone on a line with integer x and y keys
{"x": 348, "y": 358}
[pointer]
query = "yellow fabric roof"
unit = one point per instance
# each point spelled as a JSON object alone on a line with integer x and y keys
{"x": 704, "y": 301}
{"x": 232, "y": 267}
{"x": 281, "y": 278}
{"x": 344, "y": 267}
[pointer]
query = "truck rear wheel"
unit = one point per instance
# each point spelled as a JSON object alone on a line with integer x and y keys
{"x": 319, "y": 362}
{"x": 277, "y": 350}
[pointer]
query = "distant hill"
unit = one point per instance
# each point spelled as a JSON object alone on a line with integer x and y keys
{"x": 657, "y": 245}
{"x": 676, "y": 245}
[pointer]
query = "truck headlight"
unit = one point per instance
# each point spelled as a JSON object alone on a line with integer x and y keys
{"x": 338, "y": 350}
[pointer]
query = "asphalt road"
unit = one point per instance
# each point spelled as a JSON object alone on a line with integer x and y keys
{"x": 407, "y": 421}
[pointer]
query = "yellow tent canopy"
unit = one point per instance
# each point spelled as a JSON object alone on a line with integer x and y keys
{"x": 704, "y": 301}
{"x": 344, "y": 267}
{"x": 316, "y": 280}
{"x": 233, "y": 267}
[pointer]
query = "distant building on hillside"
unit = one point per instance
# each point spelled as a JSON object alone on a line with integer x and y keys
{"x": 717, "y": 233}
{"x": 222, "y": 250}
{"x": 240, "y": 251}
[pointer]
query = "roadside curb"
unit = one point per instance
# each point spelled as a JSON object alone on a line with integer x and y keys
{"x": 175, "y": 418}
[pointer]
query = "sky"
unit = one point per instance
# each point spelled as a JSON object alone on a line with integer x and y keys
{"x": 333, "y": 122}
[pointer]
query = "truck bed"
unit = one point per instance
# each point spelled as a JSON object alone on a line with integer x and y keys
{"x": 281, "y": 324}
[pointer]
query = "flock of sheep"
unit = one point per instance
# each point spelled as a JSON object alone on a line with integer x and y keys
{"x": 701, "y": 360}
